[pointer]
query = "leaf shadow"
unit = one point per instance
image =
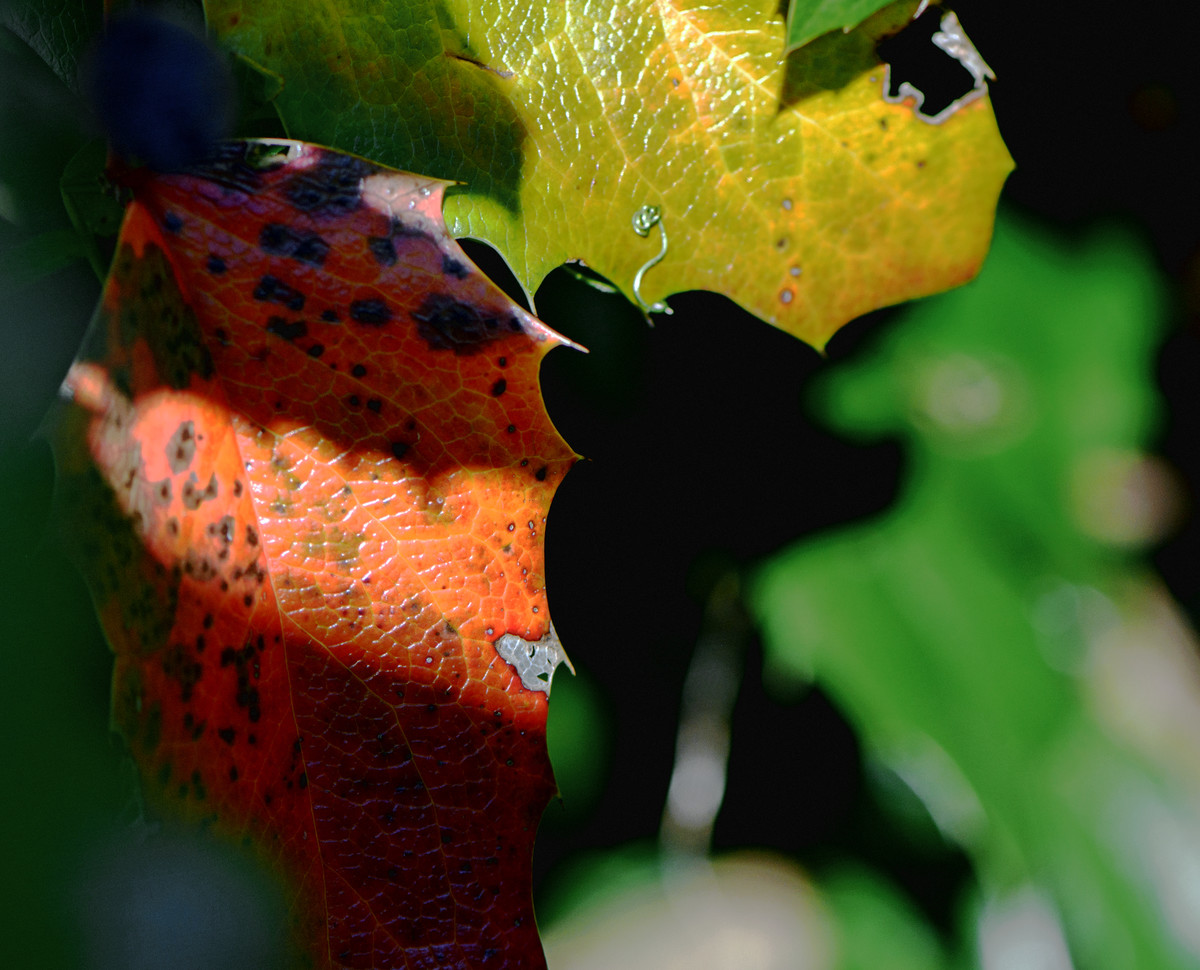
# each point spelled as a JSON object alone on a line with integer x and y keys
{"x": 428, "y": 104}
{"x": 828, "y": 63}
{"x": 835, "y": 59}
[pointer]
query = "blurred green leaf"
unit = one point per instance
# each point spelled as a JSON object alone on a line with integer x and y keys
{"x": 940, "y": 628}
{"x": 39, "y": 256}
{"x": 875, "y": 926}
{"x": 92, "y": 203}
{"x": 578, "y": 736}
{"x": 589, "y": 881}
{"x": 257, "y": 116}
{"x": 65, "y": 781}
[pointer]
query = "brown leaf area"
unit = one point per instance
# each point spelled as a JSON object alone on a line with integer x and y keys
{"x": 308, "y": 469}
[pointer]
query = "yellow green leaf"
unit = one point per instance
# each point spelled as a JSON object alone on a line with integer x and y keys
{"x": 786, "y": 182}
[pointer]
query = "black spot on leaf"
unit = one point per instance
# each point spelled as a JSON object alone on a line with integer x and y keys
{"x": 453, "y": 267}
{"x": 372, "y": 312}
{"x": 215, "y": 264}
{"x": 383, "y": 250}
{"x": 330, "y": 316}
{"x": 181, "y": 668}
{"x": 281, "y": 240}
{"x": 275, "y": 290}
{"x": 332, "y": 187}
{"x": 181, "y": 448}
{"x": 287, "y": 330}
{"x": 446, "y": 323}
{"x": 230, "y": 165}
{"x": 192, "y": 495}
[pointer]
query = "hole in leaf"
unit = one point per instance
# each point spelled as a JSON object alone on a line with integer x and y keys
{"x": 921, "y": 69}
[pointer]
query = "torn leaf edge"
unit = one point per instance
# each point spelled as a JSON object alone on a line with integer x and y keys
{"x": 952, "y": 39}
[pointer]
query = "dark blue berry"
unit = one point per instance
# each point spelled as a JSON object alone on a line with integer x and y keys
{"x": 163, "y": 93}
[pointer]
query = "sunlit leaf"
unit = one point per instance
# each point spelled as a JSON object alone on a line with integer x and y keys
{"x": 786, "y": 182}
{"x": 308, "y": 468}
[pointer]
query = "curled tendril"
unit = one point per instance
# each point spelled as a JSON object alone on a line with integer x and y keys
{"x": 645, "y": 219}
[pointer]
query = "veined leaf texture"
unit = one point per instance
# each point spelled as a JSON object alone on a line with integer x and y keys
{"x": 784, "y": 180}
{"x": 309, "y": 469}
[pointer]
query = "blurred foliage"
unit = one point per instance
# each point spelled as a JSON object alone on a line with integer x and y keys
{"x": 1016, "y": 673}
{"x": 995, "y": 638}
{"x": 578, "y": 732}
{"x": 876, "y": 926}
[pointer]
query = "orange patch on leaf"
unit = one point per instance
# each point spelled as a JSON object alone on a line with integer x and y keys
{"x": 310, "y": 468}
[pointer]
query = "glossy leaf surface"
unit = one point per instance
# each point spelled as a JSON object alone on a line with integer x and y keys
{"x": 786, "y": 182}
{"x": 308, "y": 469}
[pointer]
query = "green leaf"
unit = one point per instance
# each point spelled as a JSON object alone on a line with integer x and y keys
{"x": 92, "y": 203}
{"x": 577, "y": 738}
{"x": 257, "y": 90}
{"x": 39, "y": 131}
{"x": 808, "y": 19}
{"x": 58, "y": 30}
{"x": 787, "y": 183}
{"x": 993, "y": 638}
{"x": 875, "y": 926}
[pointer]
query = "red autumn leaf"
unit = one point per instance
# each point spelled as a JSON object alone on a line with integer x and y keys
{"x": 310, "y": 467}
